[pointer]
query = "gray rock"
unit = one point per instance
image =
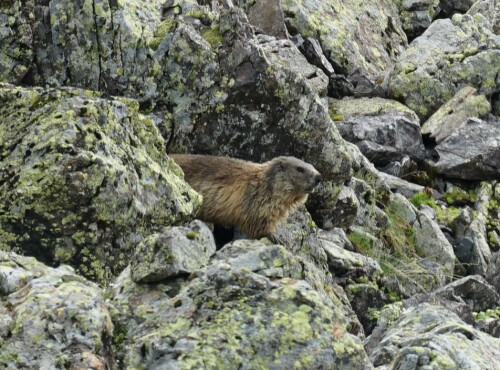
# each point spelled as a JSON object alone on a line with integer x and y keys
{"x": 311, "y": 48}
{"x": 493, "y": 272}
{"x": 472, "y": 290}
{"x": 384, "y": 130}
{"x": 451, "y": 54}
{"x": 83, "y": 179}
{"x": 449, "y": 7}
{"x": 464, "y": 105}
{"x": 172, "y": 252}
{"x": 401, "y": 186}
{"x": 266, "y": 15}
{"x": 472, "y": 151}
{"x": 336, "y": 236}
{"x": 437, "y": 337}
{"x": 243, "y": 318}
{"x": 345, "y": 210}
{"x": 367, "y": 52}
{"x": 50, "y": 317}
{"x": 417, "y": 15}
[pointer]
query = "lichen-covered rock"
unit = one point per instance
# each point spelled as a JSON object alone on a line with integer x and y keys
{"x": 174, "y": 251}
{"x": 417, "y": 15}
{"x": 401, "y": 186}
{"x": 472, "y": 151}
{"x": 493, "y": 272}
{"x": 472, "y": 290}
{"x": 360, "y": 39}
{"x": 16, "y": 49}
{"x": 83, "y": 179}
{"x": 384, "y": 130}
{"x": 464, "y": 105}
{"x": 449, "y": 7}
{"x": 451, "y": 54}
{"x": 472, "y": 248}
{"x": 241, "y": 311}
{"x": 51, "y": 318}
{"x": 266, "y": 15}
{"x": 431, "y": 337}
{"x": 430, "y": 241}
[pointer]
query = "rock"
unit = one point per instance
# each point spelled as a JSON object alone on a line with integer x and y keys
{"x": 401, "y": 168}
{"x": 366, "y": 300}
{"x": 311, "y": 48}
{"x": 266, "y": 15}
{"x": 401, "y": 186}
{"x": 83, "y": 179}
{"x": 430, "y": 242}
{"x": 472, "y": 290}
{"x": 417, "y": 15}
{"x": 472, "y": 248}
{"x": 434, "y": 338}
{"x": 345, "y": 210}
{"x": 384, "y": 130}
{"x": 51, "y": 318}
{"x": 361, "y": 40}
{"x": 16, "y": 50}
{"x": 493, "y": 272}
{"x": 172, "y": 252}
{"x": 472, "y": 151}
{"x": 449, "y": 7}
{"x": 336, "y": 236}
{"x": 464, "y": 105}
{"x": 243, "y": 318}
{"x": 451, "y": 54}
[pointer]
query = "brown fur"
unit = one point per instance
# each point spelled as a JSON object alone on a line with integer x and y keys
{"x": 251, "y": 196}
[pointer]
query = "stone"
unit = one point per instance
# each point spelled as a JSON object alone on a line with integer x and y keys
{"x": 464, "y": 105}
{"x": 417, "y": 15}
{"x": 266, "y": 15}
{"x": 51, "y": 316}
{"x": 434, "y": 336}
{"x": 174, "y": 251}
{"x": 472, "y": 151}
{"x": 384, "y": 130}
{"x": 449, "y": 55}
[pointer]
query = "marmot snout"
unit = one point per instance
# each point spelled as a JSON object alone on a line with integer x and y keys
{"x": 251, "y": 196}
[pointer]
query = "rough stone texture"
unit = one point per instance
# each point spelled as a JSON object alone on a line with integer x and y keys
{"x": 384, "y": 130}
{"x": 231, "y": 314}
{"x": 417, "y": 15}
{"x": 429, "y": 239}
{"x": 472, "y": 247}
{"x": 336, "y": 236}
{"x": 174, "y": 251}
{"x": 401, "y": 186}
{"x": 266, "y": 15}
{"x": 311, "y": 49}
{"x": 344, "y": 212}
{"x": 51, "y": 318}
{"x": 464, "y": 105}
{"x": 83, "y": 179}
{"x": 472, "y": 151}
{"x": 16, "y": 36}
{"x": 361, "y": 40}
{"x": 451, "y": 54}
{"x": 493, "y": 272}
{"x": 472, "y": 290}
{"x": 449, "y": 7}
{"x": 434, "y": 338}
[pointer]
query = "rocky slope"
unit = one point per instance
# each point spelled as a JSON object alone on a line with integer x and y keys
{"x": 393, "y": 263}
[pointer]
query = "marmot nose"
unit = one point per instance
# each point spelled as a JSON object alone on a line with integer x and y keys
{"x": 317, "y": 179}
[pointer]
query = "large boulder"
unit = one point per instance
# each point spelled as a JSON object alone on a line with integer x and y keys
{"x": 417, "y": 15}
{"x": 451, "y": 54}
{"x": 472, "y": 151}
{"x": 51, "y": 318}
{"x": 83, "y": 179}
{"x": 384, "y": 130}
{"x": 249, "y": 308}
{"x": 361, "y": 39}
{"x": 431, "y": 337}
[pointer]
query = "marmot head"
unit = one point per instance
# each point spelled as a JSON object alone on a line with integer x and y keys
{"x": 292, "y": 176}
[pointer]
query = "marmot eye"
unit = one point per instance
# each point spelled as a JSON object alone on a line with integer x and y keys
{"x": 300, "y": 169}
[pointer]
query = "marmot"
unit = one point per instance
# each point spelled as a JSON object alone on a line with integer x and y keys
{"x": 251, "y": 196}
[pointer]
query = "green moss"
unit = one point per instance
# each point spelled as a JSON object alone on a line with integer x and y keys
{"x": 422, "y": 198}
{"x": 163, "y": 29}
{"x": 458, "y": 195}
{"x": 399, "y": 235}
{"x": 362, "y": 242}
{"x": 213, "y": 36}
{"x": 493, "y": 313}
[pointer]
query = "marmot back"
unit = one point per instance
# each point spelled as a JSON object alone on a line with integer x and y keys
{"x": 251, "y": 196}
